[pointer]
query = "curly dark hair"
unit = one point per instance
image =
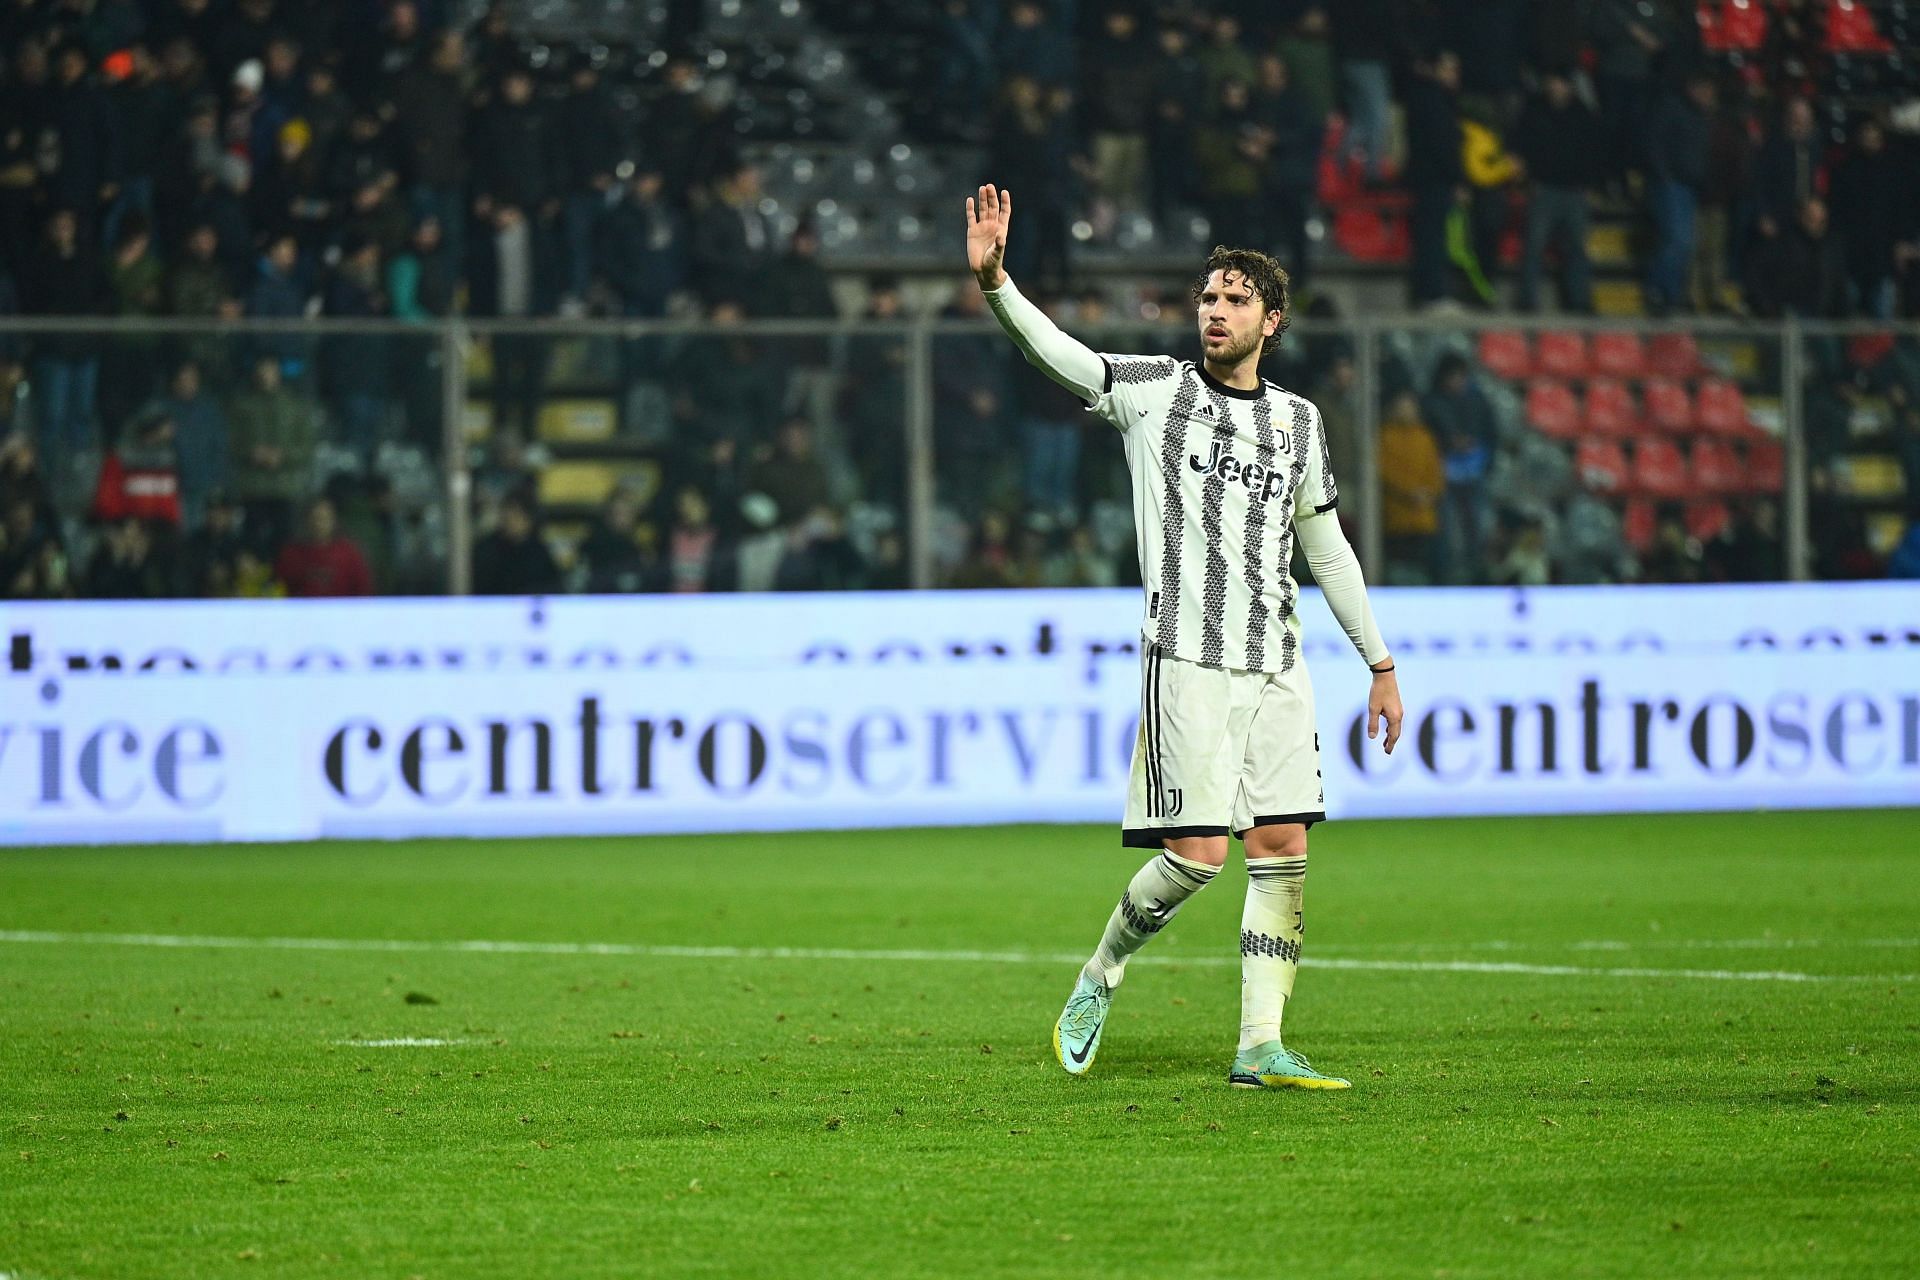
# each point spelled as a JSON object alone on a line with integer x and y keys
{"x": 1264, "y": 275}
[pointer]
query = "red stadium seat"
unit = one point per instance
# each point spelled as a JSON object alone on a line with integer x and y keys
{"x": 1505, "y": 354}
{"x": 1732, "y": 26}
{"x": 1659, "y": 469}
{"x": 1716, "y": 467}
{"x": 1718, "y": 406}
{"x": 1552, "y": 410}
{"x": 1707, "y": 520}
{"x": 1851, "y": 29}
{"x": 1609, "y": 409}
{"x": 1766, "y": 467}
{"x": 1562, "y": 355}
{"x": 1868, "y": 349}
{"x": 1619, "y": 355}
{"x": 1674, "y": 355}
{"x": 1601, "y": 465}
{"x": 1637, "y": 521}
{"x": 1669, "y": 407}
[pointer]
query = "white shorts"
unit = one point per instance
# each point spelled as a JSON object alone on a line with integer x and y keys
{"x": 1221, "y": 751}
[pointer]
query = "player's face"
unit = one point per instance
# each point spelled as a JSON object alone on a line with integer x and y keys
{"x": 1233, "y": 321}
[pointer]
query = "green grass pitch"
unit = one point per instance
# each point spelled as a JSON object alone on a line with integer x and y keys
{"x": 1559, "y": 1069}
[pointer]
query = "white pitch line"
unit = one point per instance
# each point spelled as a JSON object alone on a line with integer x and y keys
{"x": 665, "y": 951}
{"x": 396, "y": 1042}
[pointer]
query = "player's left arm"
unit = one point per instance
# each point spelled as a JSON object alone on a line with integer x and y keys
{"x": 1337, "y": 569}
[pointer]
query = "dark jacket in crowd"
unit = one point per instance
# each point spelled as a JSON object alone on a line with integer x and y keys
{"x": 1561, "y": 145}
{"x": 641, "y": 250}
{"x": 1115, "y": 72}
{"x": 504, "y": 566}
{"x": 1433, "y": 135}
{"x": 82, "y": 117}
{"x": 1677, "y": 142}
{"x": 1785, "y": 174}
{"x": 1797, "y": 274}
{"x": 515, "y": 161}
{"x": 431, "y": 107}
{"x": 1872, "y": 203}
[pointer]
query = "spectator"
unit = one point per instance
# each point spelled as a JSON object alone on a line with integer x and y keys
{"x": 325, "y": 108}
{"x": 197, "y": 285}
{"x": 1336, "y": 395}
{"x": 1364, "y": 39}
{"x": 1412, "y": 483}
{"x": 1033, "y": 46}
{"x": 1223, "y": 58}
{"x": 513, "y": 560}
{"x": 1434, "y": 172}
{"x": 970, "y": 408}
{"x": 988, "y": 563}
{"x": 420, "y": 280}
{"x": 1291, "y": 138}
{"x": 200, "y": 438}
{"x": 1178, "y": 107}
{"x": 1558, "y": 141}
{"x": 1051, "y": 424}
{"x": 362, "y": 168}
{"x": 1725, "y": 197}
{"x": 1080, "y": 563}
{"x": 210, "y": 556}
{"x": 188, "y": 171}
{"x": 430, "y": 103}
{"x": 145, "y": 108}
{"x": 791, "y": 472}
{"x": 357, "y": 366}
{"x": 1117, "y": 65}
{"x": 642, "y": 246}
{"x": 84, "y": 142}
{"x": 1677, "y": 157}
{"x": 1234, "y": 154}
{"x": 278, "y": 293}
{"x": 820, "y": 556}
{"x": 1525, "y": 562}
{"x": 1461, "y": 422}
{"x": 33, "y": 563}
{"x": 696, "y": 561}
{"x": 724, "y": 384}
{"x": 592, "y": 139}
{"x": 1873, "y": 200}
{"x": 274, "y": 431}
{"x": 1801, "y": 272}
{"x": 515, "y": 158}
{"x": 140, "y": 477}
{"x": 612, "y": 555}
{"x": 124, "y": 565}
{"x": 1789, "y": 170}
{"x": 289, "y": 195}
{"x": 511, "y": 280}
{"x": 65, "y": 279}
{"x": 1675, "y": 555}
{"x": 1307, "y": 50}
{"x": 1627, "y": 36}
{"x": 324, "y": 562}
{"x": 1033, "y": 154}
{"x": 732, "y": 243}
{"x": 137, "y": 284}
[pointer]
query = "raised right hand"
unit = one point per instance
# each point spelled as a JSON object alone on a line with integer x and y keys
{"x": 987, "y": 216}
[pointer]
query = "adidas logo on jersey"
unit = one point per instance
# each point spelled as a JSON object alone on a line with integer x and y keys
{"x": 1261, "y": 482}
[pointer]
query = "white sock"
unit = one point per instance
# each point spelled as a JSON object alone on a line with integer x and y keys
{"x": 1270, "y": 932}
{"x": 1152, "y": 898}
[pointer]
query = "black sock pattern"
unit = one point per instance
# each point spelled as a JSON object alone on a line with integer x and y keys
{"x": 1198, "y": 879}
{"x": 1150, "y": 921}
{"x": 1260, "y": 944}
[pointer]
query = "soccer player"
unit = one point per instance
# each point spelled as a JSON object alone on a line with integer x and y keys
{"x": 1227, "y": 471}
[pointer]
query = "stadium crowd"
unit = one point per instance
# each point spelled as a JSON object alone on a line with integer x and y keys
{"x": 212, "y": 160}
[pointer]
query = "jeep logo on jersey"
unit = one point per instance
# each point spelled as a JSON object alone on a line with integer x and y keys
{"x": 1262, "y": 482}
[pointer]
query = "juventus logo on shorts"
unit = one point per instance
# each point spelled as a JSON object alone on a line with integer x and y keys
{"x": 1174, "y": 801}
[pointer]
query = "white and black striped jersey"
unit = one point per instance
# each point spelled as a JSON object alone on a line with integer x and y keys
{"x": 1219, "y": 477}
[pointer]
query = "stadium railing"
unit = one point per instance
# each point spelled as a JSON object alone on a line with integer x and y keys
{"x": 1797, "y": 439}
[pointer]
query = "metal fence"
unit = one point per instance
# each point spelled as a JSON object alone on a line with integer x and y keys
{"x": 922, "y": 452}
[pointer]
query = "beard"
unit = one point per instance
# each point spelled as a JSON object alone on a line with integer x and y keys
{"x": 1237, "y": 349}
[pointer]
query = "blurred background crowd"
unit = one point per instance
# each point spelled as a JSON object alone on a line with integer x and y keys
{"x": 210, "y": 175}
